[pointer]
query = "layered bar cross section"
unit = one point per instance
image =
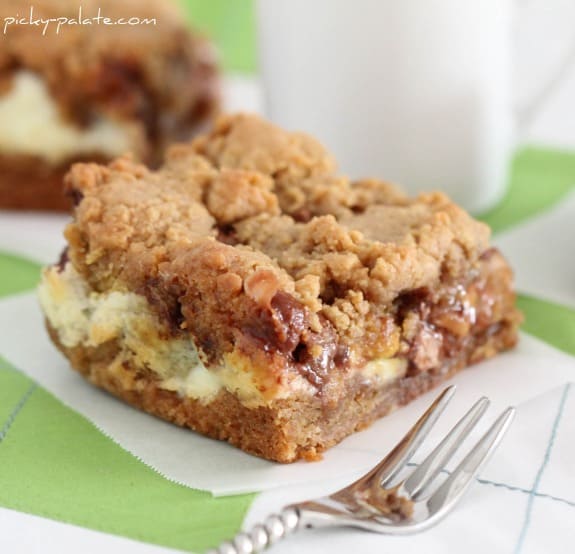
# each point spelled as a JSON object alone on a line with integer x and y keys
{"x": 250, "y": 292}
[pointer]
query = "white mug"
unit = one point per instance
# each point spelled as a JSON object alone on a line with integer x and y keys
{"x": 417, "y": 92}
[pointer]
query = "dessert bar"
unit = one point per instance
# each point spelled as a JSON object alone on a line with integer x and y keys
{"x": 250, "y": 292}
{"x": 73, "y": 88}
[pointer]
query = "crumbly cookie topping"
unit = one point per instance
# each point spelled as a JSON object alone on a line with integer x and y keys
{"x": 251, "y": 223}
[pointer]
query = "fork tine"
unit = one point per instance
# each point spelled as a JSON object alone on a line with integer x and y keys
{"x": 452, "y": 489}
{"x": 393, "y": 463}
{"x": 426, "y": 472}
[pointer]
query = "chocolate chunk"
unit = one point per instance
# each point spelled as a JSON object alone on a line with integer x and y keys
{"x": 164, "y": 302}
{"x": 228, "y": 235}
{"x": 76, "y": 195}
{"x": 63, "y": 260}
{"x": 290, "y": 320}
{"x": 314, "y": 356}
{"x": 313, "y": 353}
{"x": 414, "y": 300}
{"x": 341, "y": 357}
{"x": 280, "y": 328}
{"x": 286, "y": 329}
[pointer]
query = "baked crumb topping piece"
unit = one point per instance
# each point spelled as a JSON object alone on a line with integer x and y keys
{"x": 249, "y": 242}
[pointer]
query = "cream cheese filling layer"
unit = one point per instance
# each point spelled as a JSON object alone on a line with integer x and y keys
{"x": 30, "y": 123}
{"x": 87, "y": 318}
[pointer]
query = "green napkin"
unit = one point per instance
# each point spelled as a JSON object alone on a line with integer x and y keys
{"x": 231, "y": 25}
{"x": 538, "y": 179}
{"x": 56, "y": 464}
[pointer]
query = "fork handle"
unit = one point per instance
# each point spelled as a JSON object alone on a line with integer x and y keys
{"x": 262, "y": 535}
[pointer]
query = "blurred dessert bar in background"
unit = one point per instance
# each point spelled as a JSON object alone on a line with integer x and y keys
{"x": 73, "y": 88}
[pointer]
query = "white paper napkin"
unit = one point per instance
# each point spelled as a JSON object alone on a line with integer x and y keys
{"x": 198, "y": 462}
{"x": 542, "y": 253}
{"x": 37, "y": 236}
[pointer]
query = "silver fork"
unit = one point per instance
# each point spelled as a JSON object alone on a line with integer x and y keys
{"x": 364, "y": 503}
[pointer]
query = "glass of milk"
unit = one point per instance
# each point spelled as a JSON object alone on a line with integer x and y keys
{"x": 414, "y": 91}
